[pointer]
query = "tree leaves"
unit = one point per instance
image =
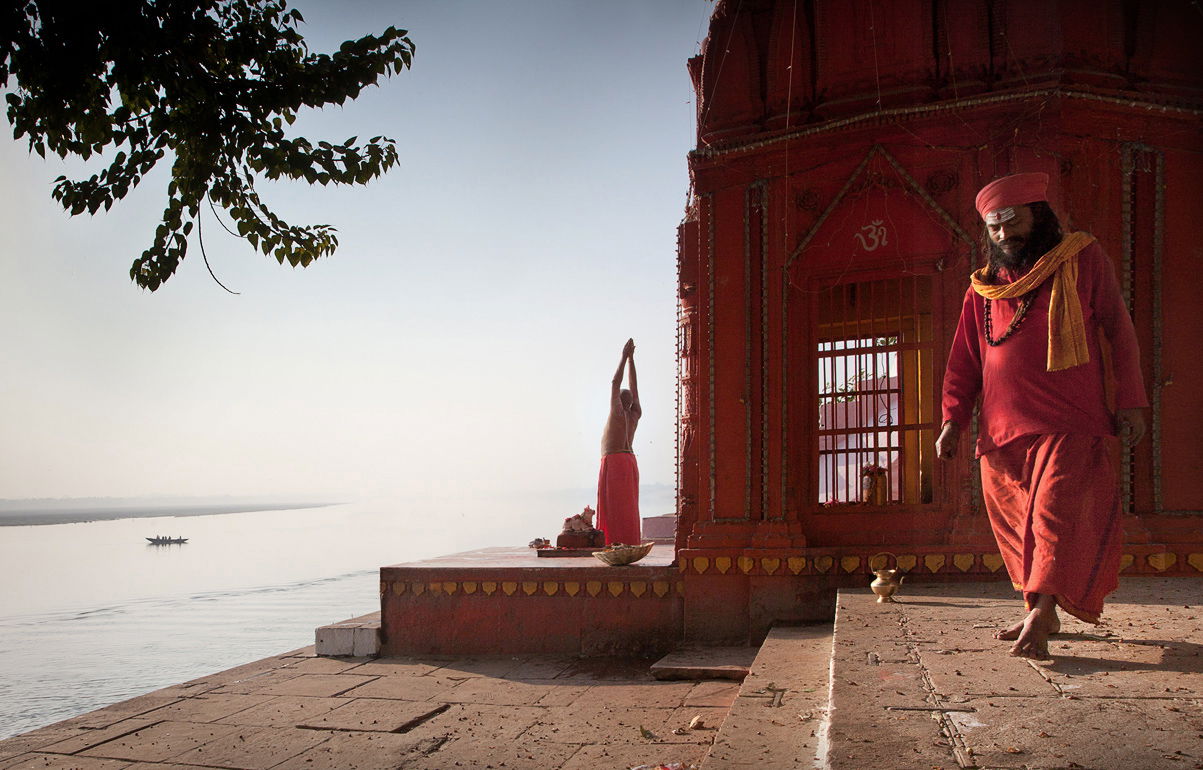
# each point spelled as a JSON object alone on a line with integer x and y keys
{"x": 210, "y": 84}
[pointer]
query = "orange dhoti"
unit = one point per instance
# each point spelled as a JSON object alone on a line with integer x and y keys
{"x": 1054, "y": 507}
{"x": 618, "y": 498}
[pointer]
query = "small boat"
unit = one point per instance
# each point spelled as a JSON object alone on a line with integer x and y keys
{"x": 167, "y": 540}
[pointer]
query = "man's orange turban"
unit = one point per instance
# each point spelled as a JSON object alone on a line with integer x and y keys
{"x": 1014, "y": 190}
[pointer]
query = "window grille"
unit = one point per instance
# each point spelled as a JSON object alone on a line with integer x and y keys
{"x": 876, "y": 392}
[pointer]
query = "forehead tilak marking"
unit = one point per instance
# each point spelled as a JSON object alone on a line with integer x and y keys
{"x": 998, "y": 216}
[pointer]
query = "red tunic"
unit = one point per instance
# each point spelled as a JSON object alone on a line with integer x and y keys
{"x": 1018, "y": 396}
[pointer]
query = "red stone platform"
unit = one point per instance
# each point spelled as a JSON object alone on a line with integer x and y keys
{"x": 507, "y": 600}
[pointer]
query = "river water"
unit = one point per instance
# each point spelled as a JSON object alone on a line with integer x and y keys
{"x": 90, "y": 614}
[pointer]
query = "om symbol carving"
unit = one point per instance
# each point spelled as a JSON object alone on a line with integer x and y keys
{"x": 872, "y": 236}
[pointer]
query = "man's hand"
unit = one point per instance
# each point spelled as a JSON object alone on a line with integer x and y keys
{"x": 1130, "y": 425}
{"x": 949, "y": 438}
{"x": 628, "y": 349}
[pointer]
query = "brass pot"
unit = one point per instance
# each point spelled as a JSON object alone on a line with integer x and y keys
{"x": 886, "y": 584}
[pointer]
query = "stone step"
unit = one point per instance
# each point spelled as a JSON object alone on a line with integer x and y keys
{"x": 698, "y": 663}
{"x": 777, "y": 719}
{"x": 921, "y": 683}
{"x": 356, "y": 637}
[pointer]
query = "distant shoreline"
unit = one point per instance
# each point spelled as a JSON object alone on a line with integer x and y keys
{"x": 26, "y": 518}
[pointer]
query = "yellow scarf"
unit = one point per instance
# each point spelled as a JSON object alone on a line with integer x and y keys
{"x": 1066, "y": 329}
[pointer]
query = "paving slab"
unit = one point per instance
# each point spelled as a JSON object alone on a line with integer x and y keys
{"x": 362, "y": 751}
{"x": 650, "y": 755}
{"x": 503, "y": 692}
{"x": 415, "y": 688}
{"x": 37, "y": 739}
{"x": 317, "y": 685}
{"x": 391, "y": 667}
{"x": 325, "y": 665}
{"x": 456, "y": 752}
{"x": 160, "y": 741}
{"x": 206, "y": 708}
{"x": 641, "y": 694}
{"x": 921, "y": 683}
{"x": 86, "y": 739}
{"x": 474, "y": 721}
{"x": 253, "y": 748}
{"x": 721, "y": 694}
{"x": 374, "y": 715}
{"x": 59, "y": 762}
{"x": 282, "y": 711}
{"x": 118, "y": 712}
{"x": 776, "y": 719}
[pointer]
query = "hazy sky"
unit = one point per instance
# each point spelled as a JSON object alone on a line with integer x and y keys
{"x": 464, "y": 334}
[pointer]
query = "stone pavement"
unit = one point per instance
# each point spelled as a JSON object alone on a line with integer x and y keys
{"x": 917, "y": 684}
{"x": 300, "y": 712}
{"x": 921, "y": 683}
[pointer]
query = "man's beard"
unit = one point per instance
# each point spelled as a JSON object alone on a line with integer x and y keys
{"x": 1039, "y": 242}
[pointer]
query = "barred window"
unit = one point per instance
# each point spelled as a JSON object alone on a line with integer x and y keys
{"x": 876, "y": 392}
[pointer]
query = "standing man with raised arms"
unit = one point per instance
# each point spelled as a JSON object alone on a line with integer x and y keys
{"x": 618, "y": 480}
{"x": 1028, "y": 345}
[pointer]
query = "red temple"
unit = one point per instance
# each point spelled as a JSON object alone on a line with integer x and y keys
{"x": 826, "y": 250}
{"x": 822, "y": 262}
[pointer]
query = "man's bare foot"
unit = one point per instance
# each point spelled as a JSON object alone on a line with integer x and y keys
{"x": 1035, "y": 629}
{"x": 1012, "y": 633}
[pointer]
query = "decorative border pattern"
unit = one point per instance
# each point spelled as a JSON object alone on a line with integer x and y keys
{"x": 1128, "y": 158}
{"x": 1138, "y": 561}
{"x": 496, "y": 589}
{"x": 706, "y": 206}
{"x": 927, "y": 109}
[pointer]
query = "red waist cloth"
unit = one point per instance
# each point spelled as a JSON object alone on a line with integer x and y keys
{"x": 1053, "y": 503}
{"x": 618, "y": 498}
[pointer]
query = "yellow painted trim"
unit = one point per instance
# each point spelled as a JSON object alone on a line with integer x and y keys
{"x": 850, "y": 563}
{"x": 508, "y": 587}
{"x": 1161, "y": 561}
{"x": 488, "y": 587}
{"x": 660, "y": 588}
{"x": 745, "y": 564}
{"x": 796, "y": 564}
{"x": 907, "y": 562}
{"x": 615, "y": 587}
{"x": 469, "y": 587}
{"x": 933, "y": 561}
{"x": 823, "y": 563}
{"x": 1126, "y": 561}
{"x": 722, "y": 564}
{"x": 701, "y": 564}
{"x": 963, "y": 561}
{"x": 769, "y": 566}
{"x": 593, "y": 587}
{"x": 550, "y": 587}
{"x": 572, "y": 588}
{"x": 1195, "y": 560}
{"x": 638, "y": 588}
{"x": 992, "y": 561}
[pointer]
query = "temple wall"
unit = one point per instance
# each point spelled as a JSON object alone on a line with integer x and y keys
{"x": 818, "y": 169}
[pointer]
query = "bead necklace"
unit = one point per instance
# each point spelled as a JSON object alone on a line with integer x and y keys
{"x": 1013, "y": 327}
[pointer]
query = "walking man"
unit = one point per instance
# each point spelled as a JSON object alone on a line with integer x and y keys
{"x": 1028, "y": 345}
{"x": 618, "y": 480}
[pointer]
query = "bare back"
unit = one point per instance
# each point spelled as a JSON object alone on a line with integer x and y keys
{"x": 619, "y": 433}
